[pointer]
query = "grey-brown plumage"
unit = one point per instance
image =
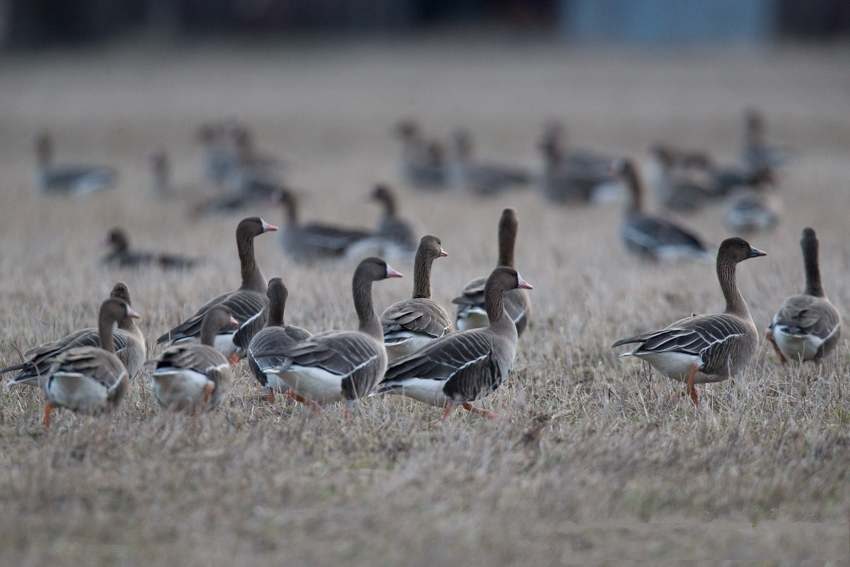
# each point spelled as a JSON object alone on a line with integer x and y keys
{"x": 423, "y": 162}
{"x": 273, "y": 338}
{"x": 89, "y": 379}
{"x": 123, "y": 256}
{"x": 706, "y": 348}
{"x": 411, "y": 324}
{"x": 807, "y": 326}
{"x": 191, "y": 376}
{"x": 392, "y": 227}
{"x": 247, "y": 304}
{"x": 471, "y": 303}
{"x": 680, "y": 188}
{"x": 466, "y": 366}
{"x": 128, "y": 339}
{"x": 483, "y": 178}
{"x": 570, "y": 177}
{"x": 70, "y": 179}
{"x": 339, "y": 365}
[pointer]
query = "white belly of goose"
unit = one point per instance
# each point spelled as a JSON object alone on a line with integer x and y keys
{"x": 472, "y": 318}
{"x": 423, "y": 390}
{"x": 675, "y": 365}
{"x": 316, "y": 384}
{"x": 223, "y": 343}
{"x": 796, "y": 347}
{"x": 76, "y": 392}
{"x": 177, "y": 386}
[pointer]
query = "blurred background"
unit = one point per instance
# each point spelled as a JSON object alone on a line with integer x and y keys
{"x": 35, "y": 23}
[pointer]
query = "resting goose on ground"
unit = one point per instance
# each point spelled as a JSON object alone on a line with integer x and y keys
{"x": 122, "y": 256}
{"x": 480, "y": 177}
{"x": 754, "y": 210}
{"x": 411, "y": 324}
{"x": 338, "y": 365}
{"x": 190, "y": 376}
{"x": 275, "y": 336}
{"x": 128, "y": 341}
{"x": 463, "y": 367}
{"x": 681, "y": 188}
{"x": 394, "y": 238}
{"x": 247, "y": 304}
{"x": 757, "y": 153}
{"x": 89, "y": 379}
{"x": 314, "y": 241}
{"x": 423, "y": 163}
{"x": 705, "y": 348}
{"x": 555, "y": 135}
{"x": 566, "y": 181}
{"x": 472, "y": 303}
{"x": 69, "y": 179}
{"x": 808, "y": 326}
{"x": 648, "y": 236}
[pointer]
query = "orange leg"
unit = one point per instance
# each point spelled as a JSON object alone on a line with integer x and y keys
{"x": 478, "y": 411}
{"x": 447, "y": 411}
{"x": 48, "y": 409}
{"x": 779, "y": 355}
{"x": 233, "y": 359}
{"x": 314, "y": 407}
{"x": 268, "y": 396}
{"x": 692, "y": 389}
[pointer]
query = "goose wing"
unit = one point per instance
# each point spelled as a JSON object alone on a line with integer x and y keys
{"x": 244, "y": 305}
{"x": 331, "y": 238}
{"x": 652, "y": 232}
{"x": 419, "y": 316}
{"x": 199, "y": 358}
{"x": 808, "y": 315}
{"x": 95, "y": 364}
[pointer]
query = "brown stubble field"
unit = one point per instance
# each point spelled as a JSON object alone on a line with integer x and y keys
{"x": 625, "y": 469}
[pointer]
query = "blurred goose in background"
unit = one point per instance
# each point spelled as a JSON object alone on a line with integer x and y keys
{"x": 808, "y": 326}
{"x": 651, "y": 237}
{"x": 314, "y": 241}
{"x": 463, "y": 367}
{"x": 754, "y": 210}
{"x": 247, "y": 304}
{"x": 394, "y": 237}
{"x": 89, "y": 379}
{"x": 423, "y": 162}
{"x": 680, "y": 186}
{"x": 121, "y": 255}
{"x": 191, "y": 377}
{"x": 705, "y": 348}
{"x": 338, "y": 365}
{"x": 411, "y": 324}
{"x": 219, "y": 152}
{"x": 472, "y": 302}
{"x": 756, "y": 153}
{"x": 482, "y": 178}
{"x": 161, "y": 173}
{"x": 69, "y": 179}
{"x": 128, "y": 344}
{"x": 274, "y": 337}
{"x": 555, "y": 135}
{"x": 571, "y": 181}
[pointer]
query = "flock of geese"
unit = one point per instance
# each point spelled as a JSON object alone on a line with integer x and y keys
{"x": 415, "y": 348}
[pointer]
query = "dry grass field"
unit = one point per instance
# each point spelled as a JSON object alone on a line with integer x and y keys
{"x": 625, "y": 470}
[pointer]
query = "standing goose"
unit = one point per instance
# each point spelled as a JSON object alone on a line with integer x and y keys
{"x": 121, "y": 255}
{"x": 679, "y": 187}
{"x": 479, "y": 177}
{"x": 411, "y": 324}
{"x": 128, "y": 341}
{"x": 338, "y": 365}
{"x": 754, "y": 210}
{"x": 89, "y": 379}
{"x": 69, "y": 179}
{"x": 247, "y": 304}
{"x": 423, "y": 163}
{"x": 756, "y": 152}
{"x": 472, "y": 303}
{"x": 648, "y": 236}
{"x": 394, "y": 237}
{"x": 191, "y": 376}
{"x": 706, "y": 348}
{"x": 314, "y": 241}
{"x": 570, "y": 181}
{"x": 807, "y": 326}
{"x": 275, "y": 336}
{"x": 461, "y": 368}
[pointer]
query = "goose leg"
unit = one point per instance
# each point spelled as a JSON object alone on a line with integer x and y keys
{"x": 48, "y": 409}
{"x": 769, "y": 336}
{"x": 314, "y": 407}
{"x": 447, "y": 411}
{"x": 268, "y": 396}
{"x": 233, "y": 359}
{"x": 692, "y": 389}
{"x": 478, "y": 411}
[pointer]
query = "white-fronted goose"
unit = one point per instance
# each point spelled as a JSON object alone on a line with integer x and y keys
{"x": 128, "y": 342}
{"x": 461, "y": 368}
{"x": 648, "y": 236}
{"x": 479, "y": 177}
{"x": 193, "y": 376}
{"x": 314, "y": 241}
{"x": 411, "y": 324}
{"x": 681, "y": 188}
{"x": 756, "y": 152}
{"x": 555, "y": 136}
{"x": 570, "y": 181}
{"x": 121, "y": 255}
{"x": 274, "y": 337}
{"x": 807, "y": 326}
{"x": 754, "y": 210}
{"x": 339, "y": 365}
{"x": 472, "y": 302}
{"x": 394, "y": 238}
{"x": 423, "y": 163}
{"x": 247, "y": 304}
{"x": 69, "y": 179}
{"x": 705, "y": 348}
{"x": 89, "y": 379}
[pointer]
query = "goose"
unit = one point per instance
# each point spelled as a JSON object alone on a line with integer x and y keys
{"x": 122, "y": 256}
{"x": 161, "y": 175}
{"x": 472, "y": 302}
{"x": 648, "y": 236}
{"x": 69, "y": 179}
{"x": 705, "y": 348}
{"x": 807, "y": 326}
{"x": 128, "y": 343}
{"x": 191, "y": 376}
{"x": 680, "y": 187}
{"x": 570, "y": 181}
{"x": 754, "y": 210}
{"x": 275, "y": 336}
{"x": 756, "y": 153}
{"x": 411, "y": 324}
{"x": 247, "y": 304}
{"x": 394, "y": 237}
{"x": 314, "y": 241}
{"x": 89, "y": 379}
{"x": 338, "y": 365}
{"x": 555, "y": 136}
{"x": 463, "y": 367}
{"x": 479, "y": 177}
{"x": 423, "y": 163}
{"x": 219, "y": 152}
